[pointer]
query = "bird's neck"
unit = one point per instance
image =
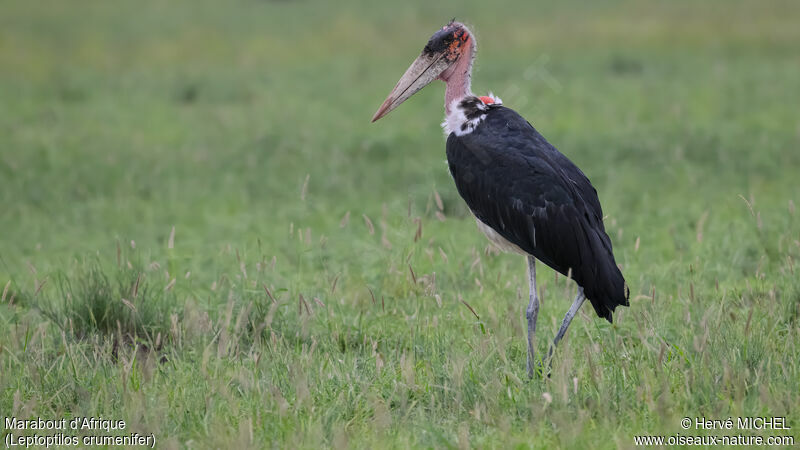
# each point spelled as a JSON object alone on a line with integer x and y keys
{"x": 458, "y": 77}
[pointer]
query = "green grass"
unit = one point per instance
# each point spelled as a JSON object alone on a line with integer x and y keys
{"x": 312, "y": 291}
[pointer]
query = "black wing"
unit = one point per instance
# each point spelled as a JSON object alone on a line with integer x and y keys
{"x": 514, "y": 181}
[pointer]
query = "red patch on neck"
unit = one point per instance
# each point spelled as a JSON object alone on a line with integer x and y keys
{"x": 487, "y": 100}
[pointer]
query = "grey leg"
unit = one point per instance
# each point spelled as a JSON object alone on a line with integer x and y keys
{"x": 532, "y": 312}
{"x": 576, "y": 305}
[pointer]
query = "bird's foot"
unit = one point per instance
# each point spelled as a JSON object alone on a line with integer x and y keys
{"x": 538, "y": 369}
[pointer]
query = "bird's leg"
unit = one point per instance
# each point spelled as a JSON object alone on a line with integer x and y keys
{"x": 531, "y": 312}
{"x": 576, "y": 305}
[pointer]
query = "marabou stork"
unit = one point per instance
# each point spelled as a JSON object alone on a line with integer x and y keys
{"x": 527, "y": 197}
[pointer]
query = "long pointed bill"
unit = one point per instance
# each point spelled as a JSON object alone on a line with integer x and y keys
{"x": 421, "y": 72}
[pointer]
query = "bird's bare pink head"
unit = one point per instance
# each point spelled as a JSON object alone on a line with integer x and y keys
{"x": 437, "y": 61}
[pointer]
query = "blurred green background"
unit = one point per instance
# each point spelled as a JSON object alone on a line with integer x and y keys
{"x": 123, "y": 119}
{"x": 242, "y": 130}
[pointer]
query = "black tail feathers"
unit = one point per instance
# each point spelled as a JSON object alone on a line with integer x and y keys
{"x": 607, "y": 291}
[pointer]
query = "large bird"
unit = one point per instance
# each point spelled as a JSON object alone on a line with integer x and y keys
{"x": 526, "y": 196}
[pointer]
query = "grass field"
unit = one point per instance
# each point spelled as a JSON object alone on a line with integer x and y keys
{"x": 202, "y": 234}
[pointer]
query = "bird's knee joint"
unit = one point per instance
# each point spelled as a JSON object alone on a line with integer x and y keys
{"x": 531, "y": 312}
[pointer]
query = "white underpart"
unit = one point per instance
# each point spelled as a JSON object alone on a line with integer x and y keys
{"x": 454, "y": 121}
{"x": 497, "y": 240}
